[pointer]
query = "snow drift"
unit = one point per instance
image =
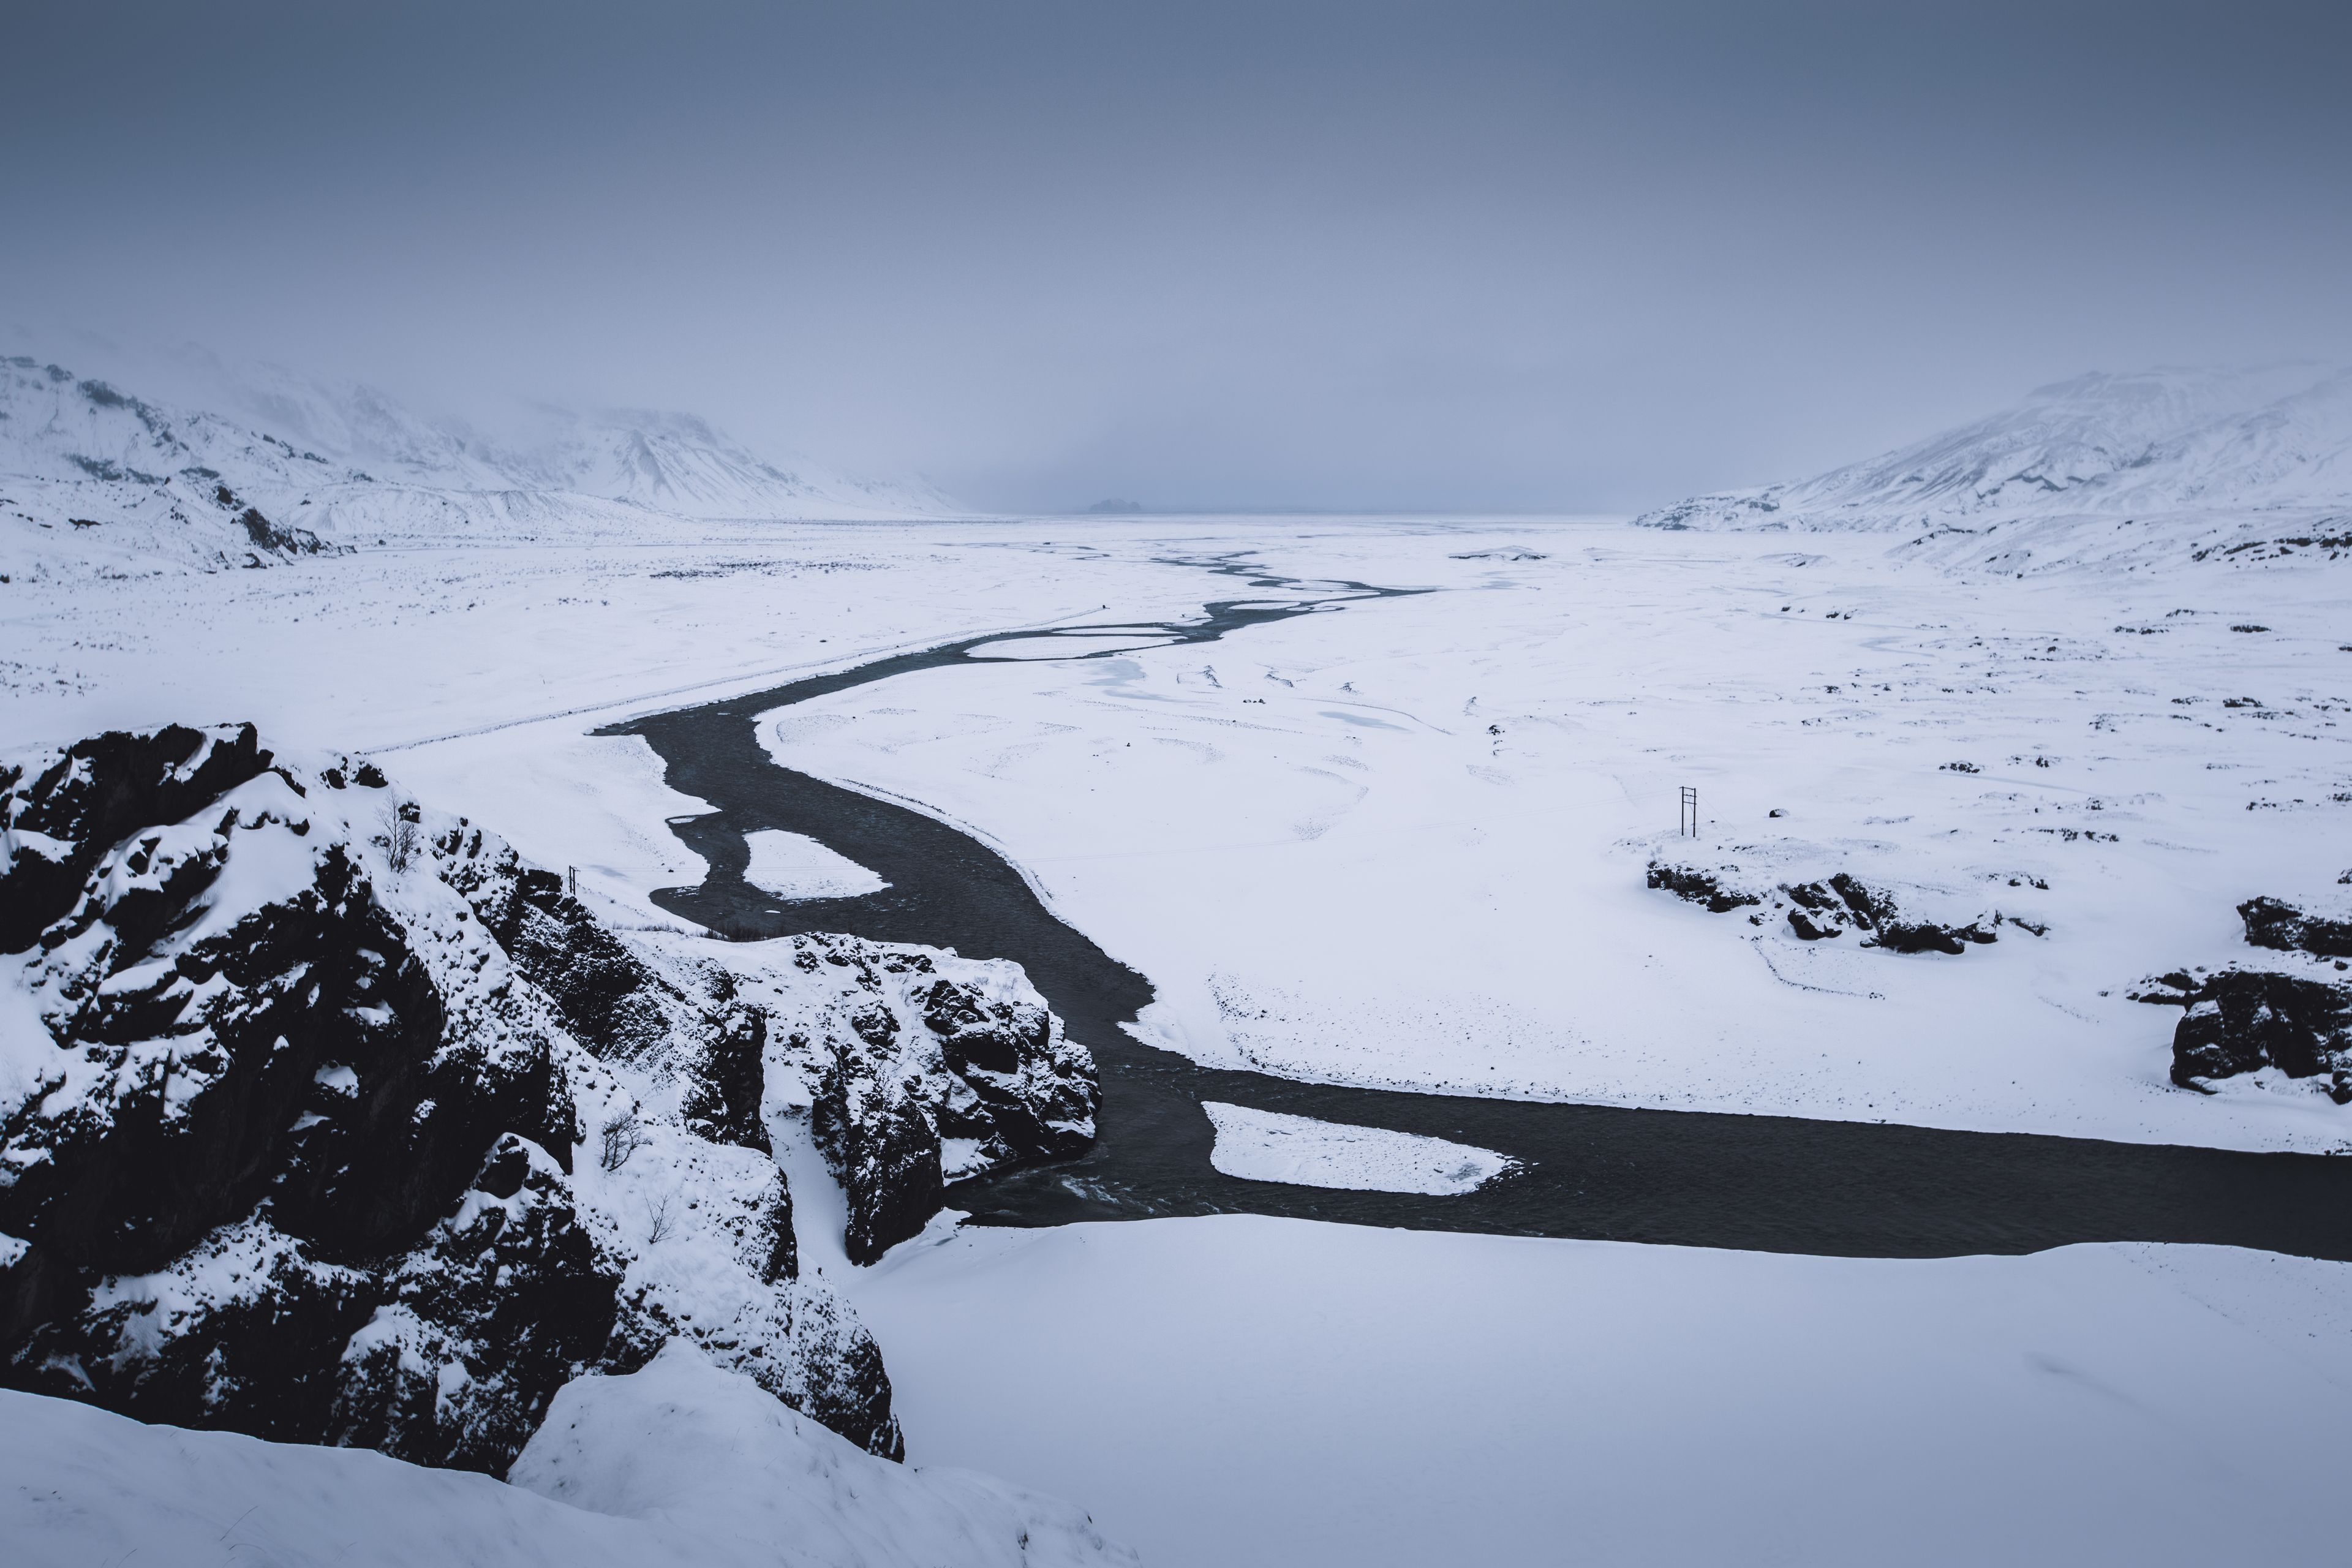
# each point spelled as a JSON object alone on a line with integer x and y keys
{"x": 679, "y": 1463}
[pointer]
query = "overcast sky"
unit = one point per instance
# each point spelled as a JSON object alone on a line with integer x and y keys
{"x": 1539, "y": 257}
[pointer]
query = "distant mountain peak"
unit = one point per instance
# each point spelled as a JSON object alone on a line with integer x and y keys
{"x": 2154, "y": 442}
{"x": 138, "y": 480}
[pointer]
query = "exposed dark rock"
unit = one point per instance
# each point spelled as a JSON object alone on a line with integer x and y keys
{"x": 291, "y": 1148}
{"x": 915, "y": 1069}
{"x": 869, "y": 1120}
{"x": 1700, "y": 887}
{"x": 507, "y": 1298}
{"x": 1812, "y": 927}
{"x": 1874, "y": 910}
{"x": 1829, "y": 908}
{"x": 2241, "y": 1020}
{"x": 87, "y": 799}
{"x": 2273, "y": 923}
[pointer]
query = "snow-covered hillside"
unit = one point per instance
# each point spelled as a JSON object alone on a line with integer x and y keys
{"x": 275, "y": 465}
{"x": 2271, "y": 444}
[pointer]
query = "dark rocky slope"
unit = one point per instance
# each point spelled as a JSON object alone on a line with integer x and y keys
{"x": 323, "y": 1117}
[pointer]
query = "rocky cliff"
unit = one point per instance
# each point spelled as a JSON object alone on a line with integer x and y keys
{"x": 325, "y": 1119}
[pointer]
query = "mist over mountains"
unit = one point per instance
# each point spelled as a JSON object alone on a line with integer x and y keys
{"x": 272, "y": 463}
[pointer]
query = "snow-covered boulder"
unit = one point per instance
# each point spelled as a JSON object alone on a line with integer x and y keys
{"x": 2289, "y": 1008}
{"x": 323, "y": 1117}
{"x": 1788, "y": 882}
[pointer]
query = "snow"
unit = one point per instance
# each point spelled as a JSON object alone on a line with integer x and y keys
{"x": 1403, "y": 843}
{"x": 712, "y": 1457}
{"x": 680, "y": 1464}
{"x": 794, "y": 866}
{"x": 93, "y": 474}
{"x": 2161, "y": 442}
{"x": 1421, "y": 861}
{"x": 1269, "y": 1146}
{"x": 1239, "y": 1390}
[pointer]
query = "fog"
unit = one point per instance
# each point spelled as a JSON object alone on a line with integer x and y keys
{"x": 1540, "y": 257}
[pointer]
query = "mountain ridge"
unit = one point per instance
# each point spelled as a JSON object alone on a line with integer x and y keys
{"x": 2165, "y": 441}
{"x": 93, "y": 473}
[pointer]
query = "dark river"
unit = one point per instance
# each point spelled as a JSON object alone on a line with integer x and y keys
{"x": 1773, "y": 1183}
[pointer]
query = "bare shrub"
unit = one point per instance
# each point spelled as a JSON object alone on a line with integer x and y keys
{"x": 624, "y": 1136}
{"x": 402, "y": 838}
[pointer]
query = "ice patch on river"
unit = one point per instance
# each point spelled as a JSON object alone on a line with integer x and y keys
{"x": 1268, "y": 1146}
{"x": 794, "y": 866}
{"x": 1067, "y": 645}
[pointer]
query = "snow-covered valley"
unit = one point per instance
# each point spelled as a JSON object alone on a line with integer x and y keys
{"x": 1425, "y": 842}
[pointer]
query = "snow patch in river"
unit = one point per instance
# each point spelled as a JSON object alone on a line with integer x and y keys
{"x": 1065, "y": 646}
{"x": 794, "y": 866}
{"x": 1268, "y": 1146}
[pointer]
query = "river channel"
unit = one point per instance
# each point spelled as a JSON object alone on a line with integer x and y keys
{"x": 1766, "y": 1183}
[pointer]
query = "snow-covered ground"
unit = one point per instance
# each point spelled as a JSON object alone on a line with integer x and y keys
{"x": 1403, "y": 842}
{"x": 1245, "y": 1391}
{"x": 681, "y": 1463}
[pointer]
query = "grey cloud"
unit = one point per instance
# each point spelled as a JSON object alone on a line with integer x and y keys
{"x": 1340, "y": 254}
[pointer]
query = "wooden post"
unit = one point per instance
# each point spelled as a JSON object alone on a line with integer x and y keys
{"x": 1687, "y": 820}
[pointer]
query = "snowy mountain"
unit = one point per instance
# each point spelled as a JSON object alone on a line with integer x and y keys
{"x": 275, "y": 465}
{"x": 2162, "y": 442}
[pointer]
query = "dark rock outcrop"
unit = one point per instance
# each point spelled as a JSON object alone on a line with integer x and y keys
{"x": 292, "y": 1112}
{"x": 913, "y": 1068}
{"x": 1844, "y": 901}
{"x": 2241, "y": 1020}
{"x": 2274, "y": 923}
{"x": 1828, "y": 907}
{"x": 2293, "y": 1012}
{"x": 1700, "y": 887}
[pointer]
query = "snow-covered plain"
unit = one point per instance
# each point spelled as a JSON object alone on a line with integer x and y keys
{"x": 1403, "y": 842}
{"x": 1245, "y": 1391}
